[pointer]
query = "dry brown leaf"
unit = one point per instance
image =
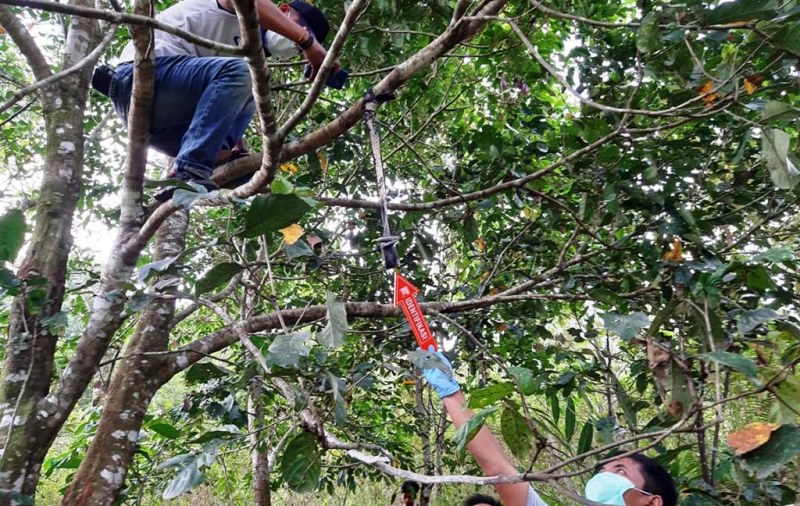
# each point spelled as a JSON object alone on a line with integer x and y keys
{"x": 676, "y": 253}
{"x": 706, "y": 91}
{"x": 323, "y": 161}
{"x": 289, "y": 167}
{"x": 480, "y": 244}
{"x": 292, "y": 233}
{"x": 751, "y": 436}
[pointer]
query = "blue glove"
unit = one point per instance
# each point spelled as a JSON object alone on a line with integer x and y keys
{"x": 444, "y": 384}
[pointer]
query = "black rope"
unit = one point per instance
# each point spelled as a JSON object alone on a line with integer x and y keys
{"x": 388, "y": 241}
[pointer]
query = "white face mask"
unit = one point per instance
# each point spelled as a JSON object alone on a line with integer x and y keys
{"x": 279, "y": 46}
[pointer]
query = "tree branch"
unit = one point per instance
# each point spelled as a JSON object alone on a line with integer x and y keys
{"x": 25, "y": 42}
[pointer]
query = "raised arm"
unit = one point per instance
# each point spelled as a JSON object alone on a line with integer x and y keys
{"x": 484, "y": 446}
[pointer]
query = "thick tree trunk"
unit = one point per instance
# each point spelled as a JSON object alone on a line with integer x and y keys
{"x": 33, "y": 329}
{"x": 139, "y": 375}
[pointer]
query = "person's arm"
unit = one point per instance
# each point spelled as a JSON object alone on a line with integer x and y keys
{"x": 270, "y": 17}
{"x": 484, "y": 446}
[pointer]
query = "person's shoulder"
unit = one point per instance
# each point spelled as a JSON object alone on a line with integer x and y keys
{"x": 534, "y": 499}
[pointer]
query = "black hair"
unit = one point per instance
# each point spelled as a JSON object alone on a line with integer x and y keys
{"x": 410, "y": 487}
{"x": 657, "y": 479}
{"x": 481, "y": 499}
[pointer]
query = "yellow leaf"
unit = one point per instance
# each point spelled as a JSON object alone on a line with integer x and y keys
{"x": 751, "y": 437}
{"x": 323, "y": 161}
{"x": 706, "y": 91}
{"x": 676, "y": 254}
{"x": 751, "y": 83}
{"x": 289, "y": 167}
{"x": 292, "y": 233}
{"x": 480, "y": 244}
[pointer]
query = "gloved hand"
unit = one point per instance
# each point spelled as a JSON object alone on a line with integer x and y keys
{"x": 444, "y": 384}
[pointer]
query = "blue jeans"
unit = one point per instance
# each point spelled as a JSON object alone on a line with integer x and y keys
{"x": 200, "y": 106}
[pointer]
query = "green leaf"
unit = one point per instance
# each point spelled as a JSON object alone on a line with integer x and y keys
{"x": 287, "y": 350}
{"x": 299, "y": 249}
{"x": 782, "y": 447}
{"x": 12, "y": 234}
{"x": 742, "y": 10}
{"x": 625, "y": 326}
{"x": 776, "y": 111}
{"x": 468, "y": 431}
{"x": 749, "y": 320}
{"x": 165, "y": 429}
{"x": 788, "y": 394}
{"x": 300, "y": 463}
{"x": 775, "y": 151}
{"x": 604, "y": 296}
{"x": 482, "y": 397}
{"x": 470, "y": 229}
{"x": 516, "y": 433}
{"x": 203, "y": 372}
{"x": 777, "y": 255}
{"x": 273, "y": 212}
{"x": 158, "y": 266}
{"x": 555, "y": 407}
{"x": 648, "y": 37}
{"x": 424, "y": 359}
{"x": 569, "y": 419}
{"x": 186, "y": 479}
{"x": 335, "y": 331}
{"x": 788, "y": 38}
{"x": 586, "y": 438}
{"x": 733, "y": 360}
{"x": 281, "y": 185}
{"x": 525, "y": 378}
{"x": 758, "y": 279}
{"x": 216, "y": 277}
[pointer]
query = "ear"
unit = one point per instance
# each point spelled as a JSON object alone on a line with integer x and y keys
{"x": 284, "y": 7}
{"x": 655, "y": 500}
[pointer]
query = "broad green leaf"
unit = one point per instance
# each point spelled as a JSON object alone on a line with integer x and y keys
{"x": 787, "y": 37}
{"x": 586, "y": 438}
{"x": 749, "y": 320}
{"x": 625, "y": 326}
{"x": 165, "y": 429}
{"x": 470, "y": 229}
{"x": 12, "y": 235}
{"x": 300, "y": 463}
{"x": 782, "y": 447}
{"x": 340, "y": 406}
{"x": 281, "y": 185}
{"x": 604, "y": 296}
{"x": 759, "y": 279}
{"x": 157, "y": 266}
{"x": 203, "y": 372}
{"x": 219, "y": 433}
{"x": 648, "y": 37}
{"x": 527, "y": 383}
{"x": 298, "y": 249}
{"x": 482, "y": 397}
{"x": 424, "y": 359}
{"x": 335, "y": 331}
{"x": 777, "y": 255}
{"x": 216, "y": 277}
{"x": 788, "y": 399}
{"x": 187, "y": 478}
{"x": 516, "y": 433}
{"x": 569, "y": 419}
{"x": 733, "y": 360}
{"x": 782, "y": 166}
{"x": 287, "y": 350}
{"x": 775, "y": 110}
{"x": 742, "y": 10}
{"x": 273, "y": 212}
{"x": 468, "y": 431}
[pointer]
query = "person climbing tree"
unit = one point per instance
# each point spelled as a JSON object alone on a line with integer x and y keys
{"x": 635, "y": 480}
{"x": 202, "y": 101}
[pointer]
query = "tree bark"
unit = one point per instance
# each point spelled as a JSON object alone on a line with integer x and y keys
{"x": 259, "y": 457}
{"x": 101, "y": 476}
{"x": 33, "y": 329}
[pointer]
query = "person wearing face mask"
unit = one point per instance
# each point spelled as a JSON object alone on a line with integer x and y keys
{"x": 635, "y": 480}
{"x": 203, "y": 101}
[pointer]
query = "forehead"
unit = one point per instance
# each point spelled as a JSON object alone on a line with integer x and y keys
{"x": 627, "y": 467}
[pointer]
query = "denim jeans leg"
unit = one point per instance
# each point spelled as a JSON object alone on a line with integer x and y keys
{"x": 206, "y": 101}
